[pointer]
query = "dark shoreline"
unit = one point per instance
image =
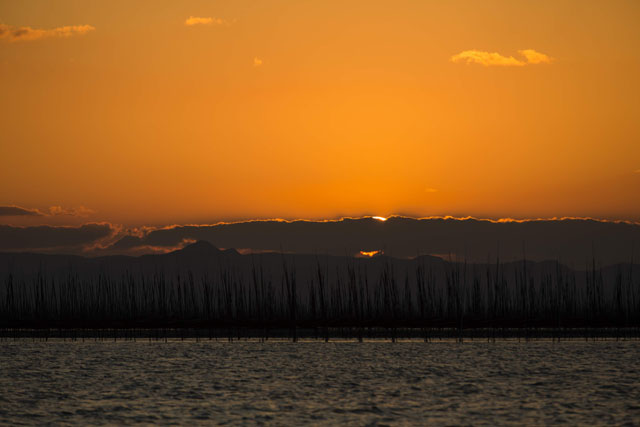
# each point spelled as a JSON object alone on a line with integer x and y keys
{"x": 345, "y": 333}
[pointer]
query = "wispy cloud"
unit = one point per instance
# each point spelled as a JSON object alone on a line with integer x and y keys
{"x": 487, "y": 59}
{"x": 16, "y": 34}
{"x": 257, "y": 62}
{"x": 80, "y": 211}
{"x": 199, "y": 20}
{"x": 534, "y": 57}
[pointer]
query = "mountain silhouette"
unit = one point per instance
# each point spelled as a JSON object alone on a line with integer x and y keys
{"x": 201, "y": 248}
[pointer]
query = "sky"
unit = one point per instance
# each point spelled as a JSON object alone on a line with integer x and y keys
{"x": 149, "y": 113}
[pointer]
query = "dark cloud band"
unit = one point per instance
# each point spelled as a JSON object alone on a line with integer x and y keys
{"x": 573, "y": 241}
{"x": 47, "y": 237}
{"x": 18, "y": 211}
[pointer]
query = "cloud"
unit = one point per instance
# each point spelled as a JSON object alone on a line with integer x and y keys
{"x": 80, "y": 211}
{"x": 487, "y": 59}
{"x": 18, "y": 211}
{"x": 534, "y": 57}
{"x": 15, "y": 34}
{"x": 46, "y": 237}
{"x": 197, "y": 20}
{"x": 257, "y": 62}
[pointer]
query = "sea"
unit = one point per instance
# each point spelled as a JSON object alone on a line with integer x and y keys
{"x": 309, "y": 382}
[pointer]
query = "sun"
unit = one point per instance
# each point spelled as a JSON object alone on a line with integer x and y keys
{"x": 370, "y": 254}
{"x": 380, "y": 218}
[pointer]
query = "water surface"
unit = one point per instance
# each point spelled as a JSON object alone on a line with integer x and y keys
{"x": 376, "y": 383}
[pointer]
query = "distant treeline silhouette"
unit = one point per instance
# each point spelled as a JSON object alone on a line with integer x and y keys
{"x": 457, "y": 296}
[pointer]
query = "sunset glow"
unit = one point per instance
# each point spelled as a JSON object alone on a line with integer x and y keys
{"x": 318, "y": 110}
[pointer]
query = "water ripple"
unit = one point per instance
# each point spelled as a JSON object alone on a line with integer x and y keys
{"x": 371, "y": 383}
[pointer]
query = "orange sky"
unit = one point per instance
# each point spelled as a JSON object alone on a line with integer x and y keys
{"x": 317, "y": 109}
